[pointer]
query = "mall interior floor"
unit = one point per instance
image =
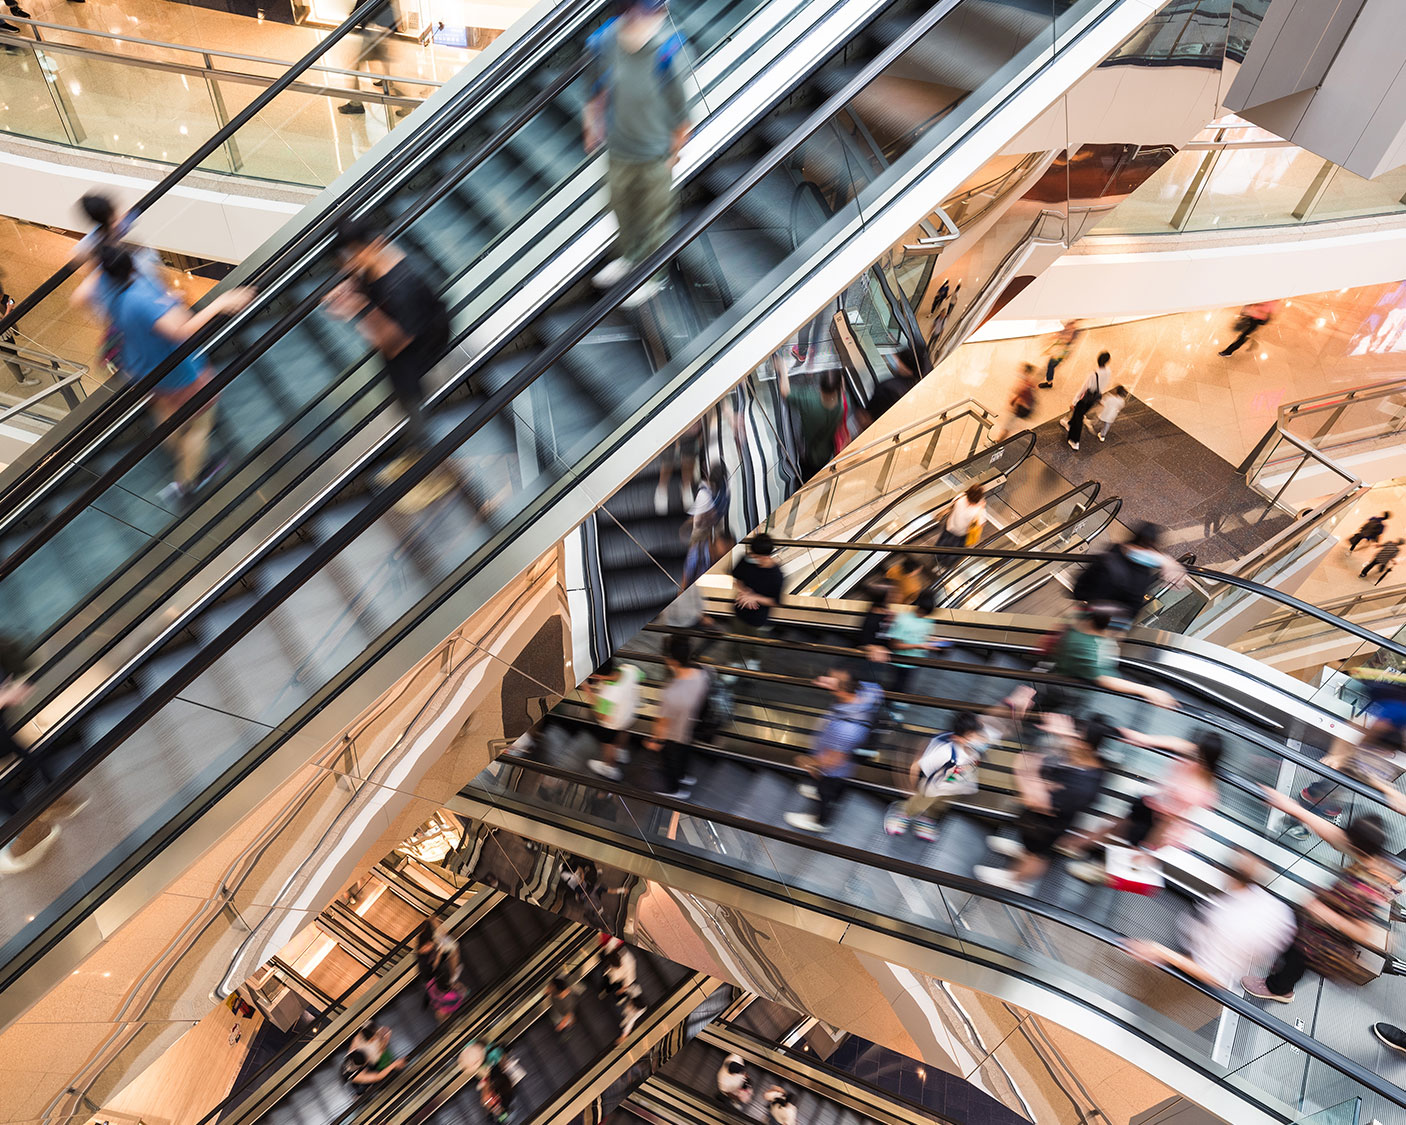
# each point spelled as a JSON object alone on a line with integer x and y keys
{"x": 1165, "y": 475}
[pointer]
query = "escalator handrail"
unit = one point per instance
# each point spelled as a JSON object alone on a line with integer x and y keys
{"x": 59, "y": 453}
{"x": 210, "y": 390}
{"x": 1109, "y": 508}
{"x": 1030, "y": 675}
{"x": 1025, "y": 437}
{"x": 963, "y": 884}
{"x": 203, "y": 151}
{"x": 496, "y": 403}
{"x": 1208, "y": 573}
{"x": 306, "y": 1033}
{"x": 787, "y": 750}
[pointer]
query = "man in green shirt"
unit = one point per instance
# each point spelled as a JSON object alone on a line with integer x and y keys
{"x": 819, "y": 411}
{"x": 1088, "y": 652}
{"x": 638, "y": 109}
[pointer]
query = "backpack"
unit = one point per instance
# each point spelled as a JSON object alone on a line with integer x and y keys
{"x": 956, "y": 775}
{"x": 599, "y": 42}
{"x": 717, "y": 710}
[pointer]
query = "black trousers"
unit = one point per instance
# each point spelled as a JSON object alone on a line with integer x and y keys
{"x": 829, "y": 790}
{"x": 1287, "y": 971}
{"x": 673, "y": 763}
{"x": 1076, "y": 420}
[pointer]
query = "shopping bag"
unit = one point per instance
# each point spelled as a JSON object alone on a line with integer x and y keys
{"x": 1130, "y": 869}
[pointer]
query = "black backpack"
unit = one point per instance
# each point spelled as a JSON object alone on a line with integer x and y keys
{"x": 716, "y": 712}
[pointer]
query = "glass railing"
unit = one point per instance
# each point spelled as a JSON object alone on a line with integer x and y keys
{"x": 1276, "y": 1067}
{"x": 78, "y": 87}
{"x": 1229, "y": 182}
{"x": 600, "y": 404}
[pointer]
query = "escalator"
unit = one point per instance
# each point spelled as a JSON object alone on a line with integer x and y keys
{"x": 508, "y": 961}
{"x": 1068, "y": 937}
{"x": 535, "y": 423}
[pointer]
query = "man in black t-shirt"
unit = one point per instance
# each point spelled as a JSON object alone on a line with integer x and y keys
{"x": 399, "y": 312}
{"x": 756, "y": 590}
{"x": 903, "y": 378}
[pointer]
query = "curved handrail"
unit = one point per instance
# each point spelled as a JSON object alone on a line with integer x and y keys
{"x": 55, "y": 455}
{"x": 921, "y": 874}
{"x": 1025, "y": 437}
{"x": 1064, "y": 556}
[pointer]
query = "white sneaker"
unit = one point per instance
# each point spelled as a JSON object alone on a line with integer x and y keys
{"x": 1100, "y": 436}
{"x": 612, "y": 273}
{"x": 644, "y": 293}
{"x": 661, "y": 500}
{"x": 1004, "y": 845}
{"x": 1000, "y": 877}
{"x": 805, "y": 822}
{"x": 808, "y": 791}
{"x": 604, "y": 769}
{"x": 1074, "y": 445}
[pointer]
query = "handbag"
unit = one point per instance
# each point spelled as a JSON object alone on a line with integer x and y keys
{"x": 973, "y": 536}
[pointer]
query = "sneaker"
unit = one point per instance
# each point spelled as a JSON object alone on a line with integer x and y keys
{"x": 604, "y": 769}
{"x": 1256, "y": 987}
{"x": 805, "y": 822}
{"x": 689, "y": 782}
{"x": 925, "y": 828}
{"x": 808, "y": 791}
{"x": 895, "y": 823}
{"x": 611, "y": 273}
{"x": 1088, "y": 872}
{"x": 173, "y": 495}
{"x": 1074, "y": 445}
{"x": 661, "y": 500}
{"x": 7, "y": 26}
{"x": 798, "y": 353}
{"x": 16, "y": 10}
{"x": 11, "y": 864}
{"x": 1004, "y": 845}
{"x": 1391, "y": 1035}
{"x": 641, "y": 295}
{"x": 351, "y": 108}
{"x": 1000, "y": 877}
{"x": 1100, "y": 436}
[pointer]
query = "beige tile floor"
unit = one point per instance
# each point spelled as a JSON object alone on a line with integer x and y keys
{"x": 1318, "y": 342}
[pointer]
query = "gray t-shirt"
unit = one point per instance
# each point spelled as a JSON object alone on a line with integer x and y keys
{"x": 682, "y": 702}
{"x": 646, "y": 99}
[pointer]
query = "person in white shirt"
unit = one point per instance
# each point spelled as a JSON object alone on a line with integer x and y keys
{"x": 1242, "y": 928}
{"x": 1109, "y": 409}
{"x": 734, "y": 1084}
{"x": 969, "y": 509}
{"x": 1094, "y": 388}
{"x": 614, "y": 695}
{"x": 619, "y": 965}
{"x": 631, "y": 1009}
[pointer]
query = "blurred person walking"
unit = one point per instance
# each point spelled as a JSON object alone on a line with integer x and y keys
{"x": 1054, "y": 788}
{"x": 820, "y": 412}
{"x": 965, "y": 520}
{"x": 1059, "y": 349}
{"x": 563, "y": 998}
{"x": 1088, "y": 397}
{"x": 1232, "y": 933}
{"x": 1370, "y": 532}
{"x": 1119, "y": 578}
{"x": 734, "y": 1083}
{"x": 1351, "y": 913}
{"x": 9, "y": 350}
{"x": 1019, "y": 406}
{"x": 944, "y": 771}
{"x": 887, "y": 394}
{"x": 638, "y": 109}
{"x": 152, "y": 324}
{"x": 757, "y": 584}
{"x": 1109, "y": 408}
{"x": 614, "y": 695}
{"x": 1384, "y": 559}
{"x": 1088, "y": 651}
{"x": 680, "y": 704}
{"x": 396, "y": 310}
{"x": 1251, "y": 319}
{"x": 830, "y": 762}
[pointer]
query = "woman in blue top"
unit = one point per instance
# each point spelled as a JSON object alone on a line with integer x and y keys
{"x": 153, "y": 323}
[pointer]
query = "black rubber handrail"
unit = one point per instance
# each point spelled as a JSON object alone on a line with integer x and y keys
{"x": 1068, "y": 557}
{"x": 1030, "y": 675}
{"x": 920, "y": 873}
{"x": 349, "y": 530}
{"x": 322, "y": 1019}
{"x": 59, "y": 453}
{"x": 493, "y": 406}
